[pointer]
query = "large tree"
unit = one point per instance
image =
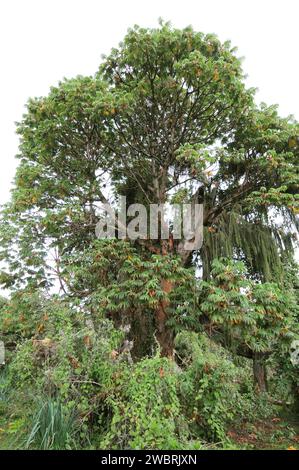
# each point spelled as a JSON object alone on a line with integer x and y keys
{"x": 166, "y": 118}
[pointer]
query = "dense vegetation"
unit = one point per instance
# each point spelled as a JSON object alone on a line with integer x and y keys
{"x": 144, "y": 344}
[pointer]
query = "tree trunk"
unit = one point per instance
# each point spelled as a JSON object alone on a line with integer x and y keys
{"x": 165, "y": 338}
{"x": 164, "y": 334}
{"x": 259, "y": 372}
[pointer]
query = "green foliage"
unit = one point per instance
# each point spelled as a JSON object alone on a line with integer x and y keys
{"x": 117, "y": 279}
{"x": 259, "y": 316}
{"x": 22, "y": 315}
{"x": 209, "y": 386}
{"x": 145, "y": 408}
{"x": 3, "y": 390}
{"x": 52, "y": 426}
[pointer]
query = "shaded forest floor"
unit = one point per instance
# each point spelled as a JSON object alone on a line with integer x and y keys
{"x": 277, "y": 433}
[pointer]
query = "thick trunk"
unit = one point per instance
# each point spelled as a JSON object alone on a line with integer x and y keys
{"x": 164, "y": 334}
{"x": 165, "y": 338}
{"x": 142, "y": 331}
{"x": 259, "y": 372}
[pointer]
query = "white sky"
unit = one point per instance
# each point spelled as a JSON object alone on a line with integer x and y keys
{"x": 43, "y": 41}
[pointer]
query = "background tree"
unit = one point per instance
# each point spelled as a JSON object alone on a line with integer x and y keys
{"x": 253, "y": 319}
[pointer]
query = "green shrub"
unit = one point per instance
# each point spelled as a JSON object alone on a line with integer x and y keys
{"x": 145, "y": 408}
{"x": 209, "y": 386}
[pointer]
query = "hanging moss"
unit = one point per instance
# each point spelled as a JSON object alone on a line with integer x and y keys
{"x": 258, "y": 244}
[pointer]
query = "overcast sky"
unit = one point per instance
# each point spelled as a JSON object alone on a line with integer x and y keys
{"x": 43, "y": 41}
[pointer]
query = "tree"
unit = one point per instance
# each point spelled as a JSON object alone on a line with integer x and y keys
{"x": 167, "y": 117}
{"x": 255, "y": 319}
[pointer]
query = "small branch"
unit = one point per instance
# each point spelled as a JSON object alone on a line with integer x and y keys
{"x": 91, "y": 382}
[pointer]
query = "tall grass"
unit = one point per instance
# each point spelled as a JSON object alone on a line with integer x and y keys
{"x": 4, "y": 391}
{"x": 53, "y": 426}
